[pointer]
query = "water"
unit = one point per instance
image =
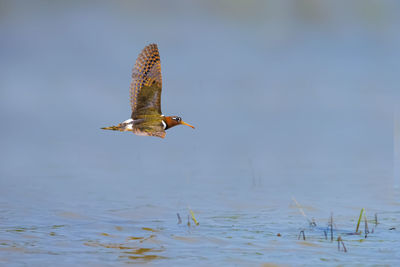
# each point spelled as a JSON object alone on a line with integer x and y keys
{"x": 288, "y": 102}
{"x": 113, "y": 225}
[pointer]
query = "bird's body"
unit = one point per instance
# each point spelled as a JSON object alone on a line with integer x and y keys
{"x": 146, "y": 118}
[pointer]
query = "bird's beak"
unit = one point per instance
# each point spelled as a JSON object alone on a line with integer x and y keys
{"x": 184, "y": 123}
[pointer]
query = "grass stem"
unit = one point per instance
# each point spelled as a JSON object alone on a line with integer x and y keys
{"x": 359, "y": 220}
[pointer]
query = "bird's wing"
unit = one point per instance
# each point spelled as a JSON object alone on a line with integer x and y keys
{"x": 146, "y": 83}
{"x": 150, "y": 126}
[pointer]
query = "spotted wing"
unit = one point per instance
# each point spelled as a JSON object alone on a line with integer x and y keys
{"x": 149, "y": 126}
{"x": 146, "y": 83}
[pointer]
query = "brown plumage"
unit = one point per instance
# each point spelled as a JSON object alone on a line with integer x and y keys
{"x": 146, "y": 83}
{"x": 145, "y": 97}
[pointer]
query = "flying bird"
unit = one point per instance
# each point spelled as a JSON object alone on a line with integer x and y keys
{"x": 145, "y": 92}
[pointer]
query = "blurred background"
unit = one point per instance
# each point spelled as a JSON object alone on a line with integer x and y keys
{"x": 289, "y": 98}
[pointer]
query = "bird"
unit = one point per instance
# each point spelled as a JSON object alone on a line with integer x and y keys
{"x": 145, "y": 98}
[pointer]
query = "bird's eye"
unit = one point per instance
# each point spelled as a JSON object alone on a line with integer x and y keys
{"x": 178, "y": 119}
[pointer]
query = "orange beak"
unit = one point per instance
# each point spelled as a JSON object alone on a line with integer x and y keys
{"x": 184, "y": 123}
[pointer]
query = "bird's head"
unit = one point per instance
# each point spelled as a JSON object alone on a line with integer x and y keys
{"x": 172, "y": 121}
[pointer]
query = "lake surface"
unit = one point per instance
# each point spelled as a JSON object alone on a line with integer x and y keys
{"x": 289, "y": 102}
{"x": 114, "y": 220}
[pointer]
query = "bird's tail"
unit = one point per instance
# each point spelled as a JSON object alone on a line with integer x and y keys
{"x": 114, "y": 128}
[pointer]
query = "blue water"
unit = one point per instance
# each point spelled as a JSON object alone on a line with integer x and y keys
{"x": 289, "y": 99}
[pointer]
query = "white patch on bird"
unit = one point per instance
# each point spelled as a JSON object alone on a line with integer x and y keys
{"x": 164, "y": 124}
{"x": 128, "y": 121}
{"x": 129, "y": 126}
